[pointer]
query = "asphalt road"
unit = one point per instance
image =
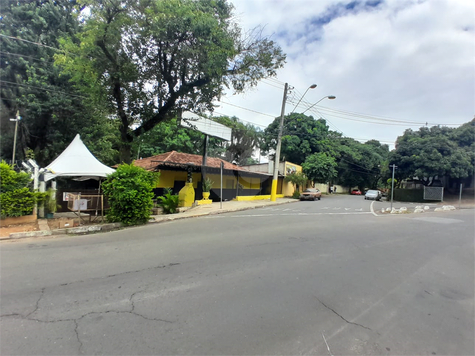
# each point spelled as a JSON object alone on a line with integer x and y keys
{"x": 313, "y": 278}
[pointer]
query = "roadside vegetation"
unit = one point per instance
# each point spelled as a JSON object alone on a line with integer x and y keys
{"x": 129, "y": 191}
{"x": 17, "y": 197}
{"x": 119, "y": 73}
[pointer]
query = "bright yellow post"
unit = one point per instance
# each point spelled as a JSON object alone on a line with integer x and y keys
{"x": 273, "y": 192}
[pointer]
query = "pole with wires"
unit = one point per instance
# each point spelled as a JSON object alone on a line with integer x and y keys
{"x": 273, "y": 194}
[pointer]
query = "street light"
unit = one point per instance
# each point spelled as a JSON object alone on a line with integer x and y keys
{"x": 313, "y": 86}
{"x": 18, "y": 118}
{"x": 331, "y": 97}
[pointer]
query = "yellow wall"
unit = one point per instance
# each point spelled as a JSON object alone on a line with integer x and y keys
{"x": 168, "y": 178}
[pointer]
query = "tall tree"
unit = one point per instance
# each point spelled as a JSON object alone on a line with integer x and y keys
{"x": 302, "y": 136}
{"x": 320, "y": 168}
{"x": 435, "y": 151}
{"x": 245, "y": 140}
{"x": 52, "y": 110}
{"x": 149, "y": 59}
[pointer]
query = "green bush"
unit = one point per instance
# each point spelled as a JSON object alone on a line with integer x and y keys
{"x": 16, "y": 197}
{"x": 296, "y": 195}
{"x": 168, "y": 202}
{"x": 129, "y": 191}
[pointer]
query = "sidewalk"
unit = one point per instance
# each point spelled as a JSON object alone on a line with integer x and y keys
{"x": 200, "y": 210}
{"x": 215, "y": 208}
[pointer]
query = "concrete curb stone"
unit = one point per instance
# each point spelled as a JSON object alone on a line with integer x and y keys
{"x": 155, "y": 219}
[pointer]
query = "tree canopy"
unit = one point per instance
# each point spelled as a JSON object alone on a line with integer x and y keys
{"x": 148, "y": 60}
{"x": 324, "y": 154}
{"x": 435, "y": 152}
{"x": 52, "y": 110}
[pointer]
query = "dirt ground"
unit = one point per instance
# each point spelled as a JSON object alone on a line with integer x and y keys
{"x": 5, "y": 231}
{"x": 53, "y": 224}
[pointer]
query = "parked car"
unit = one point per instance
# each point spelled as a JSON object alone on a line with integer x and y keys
{"x": 355, "y": 192}
{"x": 311, "y": 194}
{"x": 373, "y": 195}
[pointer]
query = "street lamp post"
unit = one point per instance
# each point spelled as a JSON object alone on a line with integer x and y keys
{"x": 313, "y": 86}
{"x": 18, "y": 118}
{"x": 331, "y": 97}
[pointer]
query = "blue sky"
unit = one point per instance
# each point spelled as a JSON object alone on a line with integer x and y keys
{"x": 392, "y": 64}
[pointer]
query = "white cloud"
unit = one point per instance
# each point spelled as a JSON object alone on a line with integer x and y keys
{"x": 405, "y": 60}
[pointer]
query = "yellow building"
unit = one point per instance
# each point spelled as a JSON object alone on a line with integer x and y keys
{"x": 177, "y": 168}
{"x": 285, "y": 168}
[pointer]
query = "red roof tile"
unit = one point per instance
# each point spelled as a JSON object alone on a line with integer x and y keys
{"x": 150, "y": 163}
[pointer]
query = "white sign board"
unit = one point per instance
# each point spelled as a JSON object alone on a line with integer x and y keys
{"x": 80, "y": 204}
{"x": 206, "y": 126}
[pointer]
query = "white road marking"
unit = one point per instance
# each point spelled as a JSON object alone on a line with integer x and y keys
{"x": 371, "y": 207}
{"x": 284, "y": 214}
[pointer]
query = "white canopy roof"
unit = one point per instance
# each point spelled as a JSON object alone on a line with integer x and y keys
{"x": 77, "y": 161}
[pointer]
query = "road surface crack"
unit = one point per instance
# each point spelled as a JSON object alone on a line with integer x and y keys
{"x": 121, "y": 273}
{"x": 77, "y": 336}
{"x": 347, "y": 321}
{"x": 37, "y": 303}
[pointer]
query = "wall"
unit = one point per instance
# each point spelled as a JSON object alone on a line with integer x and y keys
{"x": 249, "y": 186}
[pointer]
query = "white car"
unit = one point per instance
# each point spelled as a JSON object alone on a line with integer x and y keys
{"x": 373, "y": 195}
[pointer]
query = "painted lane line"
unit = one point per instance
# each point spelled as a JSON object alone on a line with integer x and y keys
{"x": 285, "y": 214}
{"x": 372, "y": 210}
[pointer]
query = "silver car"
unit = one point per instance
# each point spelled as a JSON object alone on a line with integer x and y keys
{"x": 373, "y": 195}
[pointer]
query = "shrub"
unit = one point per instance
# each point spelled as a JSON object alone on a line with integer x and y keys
{"x": 168, "y": 202}
{"x": 129, "y": 191}
{"x": 16, "y": 197}
{"x": 296, "y": 195}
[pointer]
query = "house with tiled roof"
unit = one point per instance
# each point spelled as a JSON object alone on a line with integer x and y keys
{"x": 177, "y": 168}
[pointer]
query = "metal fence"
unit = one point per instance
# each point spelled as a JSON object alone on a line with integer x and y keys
{"x": 434, "y": 193}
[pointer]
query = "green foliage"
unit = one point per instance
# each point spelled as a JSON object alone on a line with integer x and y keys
{"x": 53, "y": 111}
{"x": 320, "y": 168}
{"x": 16, "y": 198}
{"x": 296, "y": 195}
{"x": 245, "y": 139}
{"x": 302, "y": 136}
{"x": 145, "y": 61}
{"x": 207, "y": 184}
{"x": 129, "y": 191}
{"x": 435, "y": 151}
{"x": 297, "y": 179}
{"x": 169, "y": 202}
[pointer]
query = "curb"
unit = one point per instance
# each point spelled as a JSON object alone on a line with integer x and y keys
{"x": 115, "y": 226}
{"x": 65, "y": 231}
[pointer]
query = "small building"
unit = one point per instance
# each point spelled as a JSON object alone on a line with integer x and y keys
{"x": 176, "y": 168}
{"x": 285, "y": 168}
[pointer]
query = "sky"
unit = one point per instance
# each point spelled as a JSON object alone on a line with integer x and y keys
{"x": 392, "y": 65}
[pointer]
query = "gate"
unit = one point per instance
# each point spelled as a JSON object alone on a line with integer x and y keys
{"x": 434, "y": 193}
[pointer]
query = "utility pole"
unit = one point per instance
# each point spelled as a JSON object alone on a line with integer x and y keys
{"x": 273, "y": 194}
{"x": 392, "y": 185}
{"x": 14, "y": 137}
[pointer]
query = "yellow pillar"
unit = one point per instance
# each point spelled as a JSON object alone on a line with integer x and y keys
{"x": 273, "y": 192}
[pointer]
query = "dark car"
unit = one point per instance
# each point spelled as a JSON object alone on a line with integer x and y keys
{"x": 373, "y": 195}
{"x": 311, "y": 194}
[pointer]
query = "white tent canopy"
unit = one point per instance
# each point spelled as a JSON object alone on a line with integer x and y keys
{"x": 77, "y": 161}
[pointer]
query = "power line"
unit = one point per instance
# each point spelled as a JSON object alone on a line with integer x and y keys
{"x": 240, "y": 107}
{"x": 35, "y": 43}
